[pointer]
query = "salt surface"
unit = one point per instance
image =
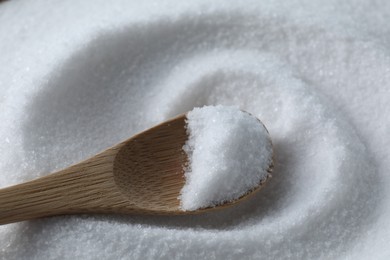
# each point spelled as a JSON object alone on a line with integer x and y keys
{"x": 229, "y": 152}
{"x": 79, "y": 76}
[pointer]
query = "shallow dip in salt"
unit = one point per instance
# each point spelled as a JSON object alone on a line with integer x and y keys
{"x": 229, "y": 153}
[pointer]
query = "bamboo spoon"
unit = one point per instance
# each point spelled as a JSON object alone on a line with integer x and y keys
{"x": 142, "y": 175}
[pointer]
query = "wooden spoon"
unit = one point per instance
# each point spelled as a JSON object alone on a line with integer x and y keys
{"x": 142, "y": 175}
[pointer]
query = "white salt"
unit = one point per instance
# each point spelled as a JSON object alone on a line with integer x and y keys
{"x": 79, "y": 76}
{"x": 229, "y": 153}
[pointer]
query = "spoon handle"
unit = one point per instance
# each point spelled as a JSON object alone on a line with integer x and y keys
{"x": 78, "y": 189}
{"x": 37, "y": 198}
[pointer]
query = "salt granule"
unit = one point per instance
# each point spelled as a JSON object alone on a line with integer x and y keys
{"x": 229, "y": 153}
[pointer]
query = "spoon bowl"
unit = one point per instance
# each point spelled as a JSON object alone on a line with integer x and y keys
{"x": 142, "y": 175}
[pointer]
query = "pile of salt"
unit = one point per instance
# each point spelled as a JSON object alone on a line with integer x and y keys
{"x": 229, "y": 154}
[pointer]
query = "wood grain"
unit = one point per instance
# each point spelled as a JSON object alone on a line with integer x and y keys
{"x": 142, "y": 175}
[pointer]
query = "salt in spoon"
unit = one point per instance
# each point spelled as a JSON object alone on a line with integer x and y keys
{"x": 142, "y": 175}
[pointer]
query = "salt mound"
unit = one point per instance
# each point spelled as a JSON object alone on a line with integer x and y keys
{"x": 229, "y": 153}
